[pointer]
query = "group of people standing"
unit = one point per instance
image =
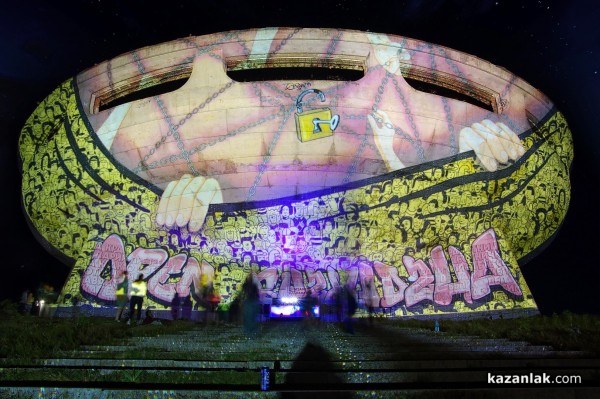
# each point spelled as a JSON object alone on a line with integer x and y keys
{"x": 35, "y": 302}
{"x": 133, "y": 295}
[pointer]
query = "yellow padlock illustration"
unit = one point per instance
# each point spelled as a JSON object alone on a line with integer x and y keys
{"x": 316, "y": 123}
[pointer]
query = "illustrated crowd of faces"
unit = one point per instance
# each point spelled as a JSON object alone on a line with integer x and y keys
{"x": 414, "y": 214}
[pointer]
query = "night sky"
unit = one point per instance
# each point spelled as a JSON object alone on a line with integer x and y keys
{"x": 554, "y": 45}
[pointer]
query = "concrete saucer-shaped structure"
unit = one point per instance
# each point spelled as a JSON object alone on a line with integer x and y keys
{"x": 415, "y": 175}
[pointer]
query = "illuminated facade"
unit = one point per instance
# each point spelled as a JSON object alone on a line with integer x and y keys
{"x": 420, "y": 184}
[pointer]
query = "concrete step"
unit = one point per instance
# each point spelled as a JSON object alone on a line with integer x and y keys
{"x": 401, "y": 365}
{"x": 348, "y": 392}
{"x": 296, "y": 375}
{"x": 375, "y": 363}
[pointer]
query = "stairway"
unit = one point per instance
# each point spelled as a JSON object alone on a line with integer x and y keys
{"x": 304, "y": 360}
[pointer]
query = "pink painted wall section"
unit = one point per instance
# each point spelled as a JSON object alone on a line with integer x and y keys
{"x": 432, "y": 280}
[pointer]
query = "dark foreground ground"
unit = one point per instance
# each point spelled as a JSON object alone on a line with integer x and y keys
{"x": 86, "y": 357}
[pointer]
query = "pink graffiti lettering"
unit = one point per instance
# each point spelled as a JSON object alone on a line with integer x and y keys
{"x": 442, "y": 278}
{"x": 393, "y": 286}
{"x": 316, "y": 281}
{"x": 165, "y": 275}
{"x": 159, "y": 285}
{"x": 178, "y": 275}
{"x": 352, "y": 277}
{"x": 145, "y": 261}
{"x": 292, "y": 282}
{"x": 267, "y": 279}
{"x": 110, "y": 253}
{"x": 334, "y": 280}
{"x": 193, "y": 274}
{"x": 445, "y": 289}
{"x": 422, "y": 286}
{"x": 369, "y": 295}
{"x": 486, "y": 256}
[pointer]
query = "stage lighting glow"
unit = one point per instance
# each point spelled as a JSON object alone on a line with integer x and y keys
{"x": 291, "y": 311}
{"x": 289, "y": 300}
{"x": 285, "y": 311}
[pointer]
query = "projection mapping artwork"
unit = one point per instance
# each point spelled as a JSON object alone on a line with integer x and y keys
{"x": 420, "y": 201}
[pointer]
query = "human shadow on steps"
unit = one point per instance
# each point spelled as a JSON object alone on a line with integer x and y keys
{"x": 313, "y": 375}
